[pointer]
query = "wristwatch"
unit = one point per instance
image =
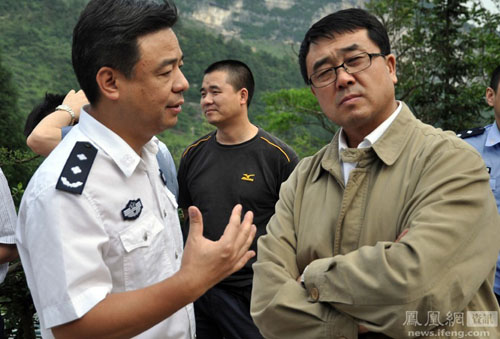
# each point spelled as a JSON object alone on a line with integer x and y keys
{"x": 68, "y": 109}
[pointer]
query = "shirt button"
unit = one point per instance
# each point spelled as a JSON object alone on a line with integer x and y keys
{"x": 145, "y": 236}
{"x": 164, "y": 213}
{"x": 314, "y": 294}
{"x": 176, "y": 255}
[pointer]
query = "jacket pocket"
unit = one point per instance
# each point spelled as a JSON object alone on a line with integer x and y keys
{"x": 145, "y": 260}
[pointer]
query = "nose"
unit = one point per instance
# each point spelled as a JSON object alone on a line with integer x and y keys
{"x": 180, "y": 84}
{"x": 344, "y": 79}
{"x": 207, "y": 99}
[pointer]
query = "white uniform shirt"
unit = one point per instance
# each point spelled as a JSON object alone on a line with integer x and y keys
{"x": 7, "y": 220}
{"x": 76, "y": 249}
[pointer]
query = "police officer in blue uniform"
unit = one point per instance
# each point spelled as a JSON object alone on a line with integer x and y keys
{"x": 486, "y": 140}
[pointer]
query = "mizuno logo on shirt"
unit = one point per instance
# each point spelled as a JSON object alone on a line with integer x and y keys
{"x": 248, "y": 177}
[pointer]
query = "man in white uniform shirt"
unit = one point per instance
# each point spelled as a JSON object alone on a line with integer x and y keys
{"x": 98, "y": 235}
{"x": 8, "y": 250}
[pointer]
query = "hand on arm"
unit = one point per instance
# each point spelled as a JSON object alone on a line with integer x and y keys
{"x": 47, "y": 134}
{"x": 204, "y": 263}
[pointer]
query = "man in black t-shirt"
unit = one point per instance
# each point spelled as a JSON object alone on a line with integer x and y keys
{"x": 237, "y": 163}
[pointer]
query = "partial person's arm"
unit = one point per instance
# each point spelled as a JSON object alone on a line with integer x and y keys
{"x": 8, "y": 252}
{"x": 8, "y": 249}
{"x": 47, "y": 134}
{"x": 204, "y": 263}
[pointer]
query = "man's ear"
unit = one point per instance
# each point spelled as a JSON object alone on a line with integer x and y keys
{"x": 243, "y": 96}
{"x": 390, "y": 61}
{"x": 106, "y": 79}
{"x": 490, "y": 96}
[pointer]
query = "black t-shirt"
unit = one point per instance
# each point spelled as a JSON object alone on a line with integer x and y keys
{"x": 215, "y": 177}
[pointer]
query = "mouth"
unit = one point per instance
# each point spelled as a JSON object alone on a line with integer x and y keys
{"x": 210, "y": 110}
{"x": 349, "y": 99}
{"x": 177, "y": 107}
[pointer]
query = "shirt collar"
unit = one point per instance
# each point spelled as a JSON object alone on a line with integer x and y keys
{"x": 112, "y": 144}
{"x": 493, "y": 136}
{"x": 371, "y": 138}
{"x": 388, "y": 148}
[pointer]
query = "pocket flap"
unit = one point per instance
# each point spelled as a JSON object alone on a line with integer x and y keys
{"x": 140, "y": 233}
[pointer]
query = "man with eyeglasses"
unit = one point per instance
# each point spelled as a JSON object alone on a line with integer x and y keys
{"x": 390, "y": 231}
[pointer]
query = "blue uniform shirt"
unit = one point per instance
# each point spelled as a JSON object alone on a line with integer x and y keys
{"x": 488, "y": 144}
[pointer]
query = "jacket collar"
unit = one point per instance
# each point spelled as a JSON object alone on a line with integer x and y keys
{"x": 391, "y": 144}
{"x": 112, "y": 144}
{"x": 388, "y": 147}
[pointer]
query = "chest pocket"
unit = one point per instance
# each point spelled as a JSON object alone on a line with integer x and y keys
{"x": 145, "y": 259}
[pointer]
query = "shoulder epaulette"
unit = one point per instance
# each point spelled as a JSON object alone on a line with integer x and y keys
{"x": 471, "y": 132}
{"x": 77, "y": 168}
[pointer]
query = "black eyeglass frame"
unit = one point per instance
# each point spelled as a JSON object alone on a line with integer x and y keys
{"x": 342, "y": 65}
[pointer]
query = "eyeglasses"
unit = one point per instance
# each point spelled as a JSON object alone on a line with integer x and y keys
{"x": 357, "y": 63}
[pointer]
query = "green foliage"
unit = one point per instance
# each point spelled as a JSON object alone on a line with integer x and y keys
{"x": 15, "y": 300}
{"x": 36, "y": 44}
{"x": 256, "y": 19}
{"x": 17, "y": 308}
{"x": 296, "y": 117}
{"x": 445, "y": 52}
{"x": 271, "y": 73}
{"x": 13, "y": 150}
{"x": 18, "y": 165}
{"x": 9, "y": 117}
{"x": 14, "y": 155}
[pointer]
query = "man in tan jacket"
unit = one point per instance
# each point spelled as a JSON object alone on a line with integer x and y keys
{"x": 391, "y": 230}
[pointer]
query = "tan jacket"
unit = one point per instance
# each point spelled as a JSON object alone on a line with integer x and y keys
{"x": 414, "y": 177}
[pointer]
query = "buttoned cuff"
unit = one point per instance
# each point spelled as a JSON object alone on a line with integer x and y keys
{"x": 319, "y": 282}
{"x": 320, "y": 289}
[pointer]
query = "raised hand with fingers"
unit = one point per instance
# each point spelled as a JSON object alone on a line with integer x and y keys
{"x": 207, "y": 262}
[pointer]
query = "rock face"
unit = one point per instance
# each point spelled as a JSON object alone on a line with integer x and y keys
{"x": 282, "y": 20}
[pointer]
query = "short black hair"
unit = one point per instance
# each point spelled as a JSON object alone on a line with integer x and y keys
{"x": 106, "y": 35}
{"x": 40, "y": 111}
{"x": 239, "y": 75}
{"x": 495, "y": 79}
{"x": 347, "y": 20}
